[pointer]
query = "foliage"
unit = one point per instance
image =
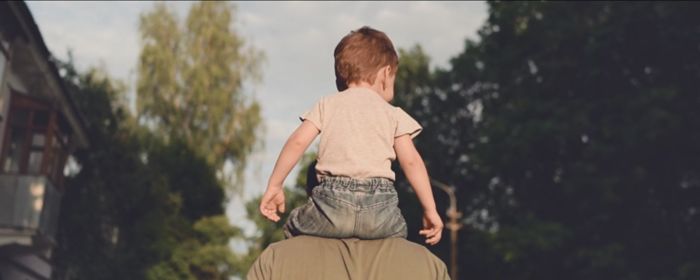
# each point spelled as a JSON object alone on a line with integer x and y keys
{"x": 206, "y": 255}
{"x": 148, "y": 201}
{"x": 190, "y": 83}
{"x": 141, "y": 206}
{"x": 569, "y": 131}
{"x": 104, "y": 204}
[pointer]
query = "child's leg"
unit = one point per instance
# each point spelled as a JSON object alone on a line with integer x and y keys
{"x": 381, "y": 218}
{"x": 342, "y": 207}
{"x": 322, "y": 216}
{"x": 370, "y": 204}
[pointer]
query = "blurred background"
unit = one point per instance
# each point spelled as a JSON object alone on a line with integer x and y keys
{"x": 563, "y": 139}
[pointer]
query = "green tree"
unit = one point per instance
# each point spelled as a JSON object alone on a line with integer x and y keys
{"x": 569, "y": 130}
{"x": 204, "y": 255}
{"x": 139, "y": 207}
{"x": 112, "y": 196}
{"x": 190, "y": 83}
{"x": 148, "y": 201}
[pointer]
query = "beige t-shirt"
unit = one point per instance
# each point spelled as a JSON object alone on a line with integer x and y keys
{"x": 358, "y": 128}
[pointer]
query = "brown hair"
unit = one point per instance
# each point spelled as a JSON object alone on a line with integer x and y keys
{"x": 360, "y": 54}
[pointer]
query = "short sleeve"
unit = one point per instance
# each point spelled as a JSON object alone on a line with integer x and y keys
{"x": 405, "y": 124}
{"x": 314, "y": 114}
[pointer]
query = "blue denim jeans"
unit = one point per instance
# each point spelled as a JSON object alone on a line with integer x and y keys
{"x": 344, "y": 207}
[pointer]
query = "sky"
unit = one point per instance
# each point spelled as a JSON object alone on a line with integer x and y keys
{"x": 297, "y": 39}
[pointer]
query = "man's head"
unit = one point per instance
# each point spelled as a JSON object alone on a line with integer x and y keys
{"x": 365, "y": 55}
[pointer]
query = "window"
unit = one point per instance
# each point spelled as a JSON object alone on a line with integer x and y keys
{"x": 35, "y": 141}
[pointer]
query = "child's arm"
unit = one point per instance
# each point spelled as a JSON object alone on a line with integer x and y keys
{"x": 273, "y": 199}
{"x": 414, "y": 168}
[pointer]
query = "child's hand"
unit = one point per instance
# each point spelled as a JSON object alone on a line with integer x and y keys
{"x": 271, "y": 202}
{"x": 432, "y": 227}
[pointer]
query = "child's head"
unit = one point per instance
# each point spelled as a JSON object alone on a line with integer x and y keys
{"x": 362, "y": 56}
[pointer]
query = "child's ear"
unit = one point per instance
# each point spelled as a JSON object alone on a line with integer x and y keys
{"x": 389, "y": 72}
{"x": 385, "y": 73}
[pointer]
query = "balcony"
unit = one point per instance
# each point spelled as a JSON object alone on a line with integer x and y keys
{"x": 29, "y": 207}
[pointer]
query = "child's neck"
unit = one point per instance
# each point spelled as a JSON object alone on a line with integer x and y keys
{"x": 374, "y": 87}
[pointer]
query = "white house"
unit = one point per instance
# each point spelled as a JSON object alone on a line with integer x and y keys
{"x": 39, "y": 128}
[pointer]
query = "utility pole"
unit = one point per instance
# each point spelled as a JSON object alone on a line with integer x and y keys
{"x": 453, "y": 224}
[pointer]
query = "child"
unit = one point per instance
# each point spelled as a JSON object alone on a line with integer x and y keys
{"x": 361, "y": 133}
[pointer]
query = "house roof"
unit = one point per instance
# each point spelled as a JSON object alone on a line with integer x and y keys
{"x": 18, "y": 12}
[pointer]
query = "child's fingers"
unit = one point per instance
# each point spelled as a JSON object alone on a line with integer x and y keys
{"x": 432, "y": 235}
{"x": 429, "y": 233}
{"x": 265, "y": 208}
{"x": 272, "y": 216}
{"x": 266, "y": 213}
{"x": 429, "y": 230}
{"x": 269, "y": 212}
{"x": 280, "y": 207}
{"x": 437, "y": 237}
{"x": 434, "y": 239}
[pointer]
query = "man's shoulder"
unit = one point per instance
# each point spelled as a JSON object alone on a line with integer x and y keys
{"x": 308, "y": 256}
{"x": 395, "y": 245}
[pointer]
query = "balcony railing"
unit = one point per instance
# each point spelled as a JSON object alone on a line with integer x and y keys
{"x": 29, "y": 206}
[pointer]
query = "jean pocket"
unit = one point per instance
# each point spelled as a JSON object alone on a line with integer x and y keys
{"x": 381, "y": 221}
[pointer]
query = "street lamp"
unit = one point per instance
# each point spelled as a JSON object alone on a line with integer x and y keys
{"x": 453, "y": 225}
